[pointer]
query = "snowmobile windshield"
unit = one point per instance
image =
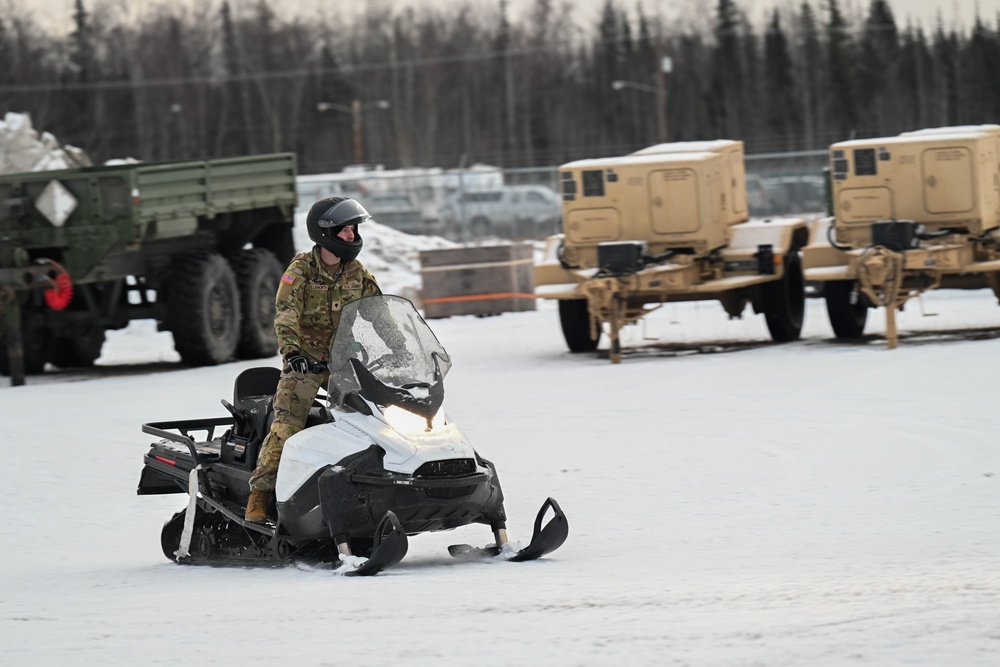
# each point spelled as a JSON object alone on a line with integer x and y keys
{"x": 384, "y": 351}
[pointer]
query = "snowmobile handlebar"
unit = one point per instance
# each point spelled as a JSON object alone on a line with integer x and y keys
{"x": 312, "y": 367}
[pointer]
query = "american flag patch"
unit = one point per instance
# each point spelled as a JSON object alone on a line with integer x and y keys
{"x": 288, "y": 279}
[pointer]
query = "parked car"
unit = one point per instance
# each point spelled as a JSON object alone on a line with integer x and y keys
{"x": 521, "y": 211}
{"x": 758, "y": 197}
{"x": 313, "y": 187}
{"x": 396, "y": 210}
{"x": 796, "y": 194}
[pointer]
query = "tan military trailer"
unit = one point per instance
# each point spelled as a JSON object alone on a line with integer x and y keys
{"x": 912, "y": 213}
{"x": 667, "y": 224}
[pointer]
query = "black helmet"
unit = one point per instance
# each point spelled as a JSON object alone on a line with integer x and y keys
{"x": 328, "y": 216}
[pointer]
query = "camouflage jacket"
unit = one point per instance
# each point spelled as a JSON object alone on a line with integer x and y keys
{"x": 310, "y": 298}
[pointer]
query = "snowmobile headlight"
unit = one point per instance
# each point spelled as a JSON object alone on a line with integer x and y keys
{"x": 407, "y": 422}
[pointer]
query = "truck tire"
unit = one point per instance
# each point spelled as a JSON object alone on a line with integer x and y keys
{"x": 575, "y": 320}
{"x": 847, "y": 319}
{"x": 35, "y": 339}
{"x": 480, "y": 227}
{"x": 257, "y": 276}
{"x": 81, "y": 349}
{"x": 203, "y": 305}
{"x": 784, "y": 303}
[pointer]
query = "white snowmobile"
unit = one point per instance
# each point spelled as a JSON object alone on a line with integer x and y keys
{"x": 379, "y": 461}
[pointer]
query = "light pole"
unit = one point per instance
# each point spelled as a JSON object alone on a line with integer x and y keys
{"x": 660, "y": 90}
{"x": 177, "y": 113}
{"x": 355, "y": 110}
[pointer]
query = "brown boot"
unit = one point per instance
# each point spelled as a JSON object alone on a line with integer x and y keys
{"x": 257, "y": 506}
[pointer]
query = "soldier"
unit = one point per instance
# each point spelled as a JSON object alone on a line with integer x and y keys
{"x": 313, "y": 291}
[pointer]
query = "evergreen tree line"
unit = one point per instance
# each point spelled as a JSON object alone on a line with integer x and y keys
{"x": 470, "y": 84}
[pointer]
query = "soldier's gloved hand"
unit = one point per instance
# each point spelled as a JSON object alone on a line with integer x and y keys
{"x": 296, "y": 363}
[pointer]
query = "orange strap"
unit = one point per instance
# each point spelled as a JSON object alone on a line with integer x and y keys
{"x": 480, "y": 297}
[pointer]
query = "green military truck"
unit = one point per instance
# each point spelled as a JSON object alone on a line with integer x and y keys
{"x": 199, "y": 246}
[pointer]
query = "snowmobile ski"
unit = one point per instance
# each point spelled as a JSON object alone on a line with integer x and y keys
{"x": 543, "y": 540}
{"x": 388, "y": 549}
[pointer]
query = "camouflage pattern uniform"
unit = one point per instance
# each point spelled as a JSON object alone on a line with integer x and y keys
{"x": 308, "y": 304}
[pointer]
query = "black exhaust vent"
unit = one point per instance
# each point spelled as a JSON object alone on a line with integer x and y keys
{"x": 449, "y": 468}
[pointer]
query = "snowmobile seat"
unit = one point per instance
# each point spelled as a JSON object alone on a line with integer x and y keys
{"x": 259, "y": 381}
{"x": 253, "y": 412}
{"x": 253, "y": 396}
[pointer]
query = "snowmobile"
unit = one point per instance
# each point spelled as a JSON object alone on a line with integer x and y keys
{"x": 377, "y": 461}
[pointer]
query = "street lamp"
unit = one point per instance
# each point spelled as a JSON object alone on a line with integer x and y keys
{"x": 176, "y": 113}
{"x": 621, "y": 83}
{"x": 355, "y": 110}
{"x": 660, "y": 90}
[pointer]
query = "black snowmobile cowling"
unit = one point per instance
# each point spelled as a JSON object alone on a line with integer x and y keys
{"x": 377, "y": 461}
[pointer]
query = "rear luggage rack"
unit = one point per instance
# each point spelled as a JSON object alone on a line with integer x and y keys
{"x": 208, "y": 452}
{"x": 183, "y": 432}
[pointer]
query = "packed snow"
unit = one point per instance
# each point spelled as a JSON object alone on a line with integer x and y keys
{"x": 731, "y": 502}
{"x": 22, "y": 148}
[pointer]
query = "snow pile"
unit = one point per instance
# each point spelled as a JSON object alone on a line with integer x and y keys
{"x": 392, "y": 256}
{"x": 22, "y": 149}
{"x": 350, "y": 564}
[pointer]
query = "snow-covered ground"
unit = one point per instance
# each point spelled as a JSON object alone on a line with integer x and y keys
{"x": 731, "y": 502}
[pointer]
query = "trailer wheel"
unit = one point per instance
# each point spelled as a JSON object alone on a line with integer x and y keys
{"x": 203, "y": 309}
{"x": 575, "y": 319}
{"x": 81, "y": 349}
{"x": 847, "y": 319}
{"x": 35, "y": 341}
{"x": 785, "y": 301}
{"x": 257, "y": 276}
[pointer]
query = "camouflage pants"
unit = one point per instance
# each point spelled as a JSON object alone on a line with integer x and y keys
{"x": 292, "y": 401}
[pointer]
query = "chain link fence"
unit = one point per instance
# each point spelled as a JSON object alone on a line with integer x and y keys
{"x": 482, "y": 201}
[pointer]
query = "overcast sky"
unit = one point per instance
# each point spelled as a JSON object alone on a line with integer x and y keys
{"x": 57, "y": 14}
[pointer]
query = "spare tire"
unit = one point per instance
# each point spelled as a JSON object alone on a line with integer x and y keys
{"x": 203, "y": 309}
{"x": 257, "y": 276}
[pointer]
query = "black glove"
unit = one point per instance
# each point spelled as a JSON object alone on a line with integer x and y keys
{"x": 296, "y": 363}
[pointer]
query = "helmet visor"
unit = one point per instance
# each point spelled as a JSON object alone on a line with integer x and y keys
{"x": 343, "y": 213}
